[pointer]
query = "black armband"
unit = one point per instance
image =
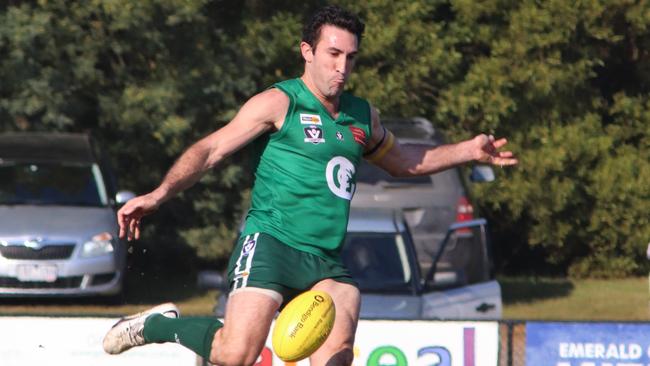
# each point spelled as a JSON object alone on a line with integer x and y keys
{"x": 376, "y": 147}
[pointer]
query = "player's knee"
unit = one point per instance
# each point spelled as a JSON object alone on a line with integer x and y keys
{"x": 339, "y": 356}
{"x": 233, "y": 356}
{"x": 343, "y": 357}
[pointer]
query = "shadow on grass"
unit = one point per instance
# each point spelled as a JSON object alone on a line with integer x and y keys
{"x": 155, "y": 289}
{"x": 140, "y": 289}
{"x": 523, "y": 290}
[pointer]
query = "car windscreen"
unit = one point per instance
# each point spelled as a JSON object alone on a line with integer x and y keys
{"x": 51, "y": 184}
{"x": 378, "y": 262}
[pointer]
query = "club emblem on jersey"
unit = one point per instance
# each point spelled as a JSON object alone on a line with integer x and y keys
{"x": 359, "y": 135}
{"x": 339, "y": 136}
{"x": 310, "y": 119}
{"x": 340, "y": 177}
{"x": 314, "y": 135}
{"x": 248, "y": 246}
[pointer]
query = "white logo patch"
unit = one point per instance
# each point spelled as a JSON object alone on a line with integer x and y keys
{"x": 248, "y": 246}
{"x": 339, "y": 174}
{"x": 310, "y": 119}
{"x": 314, "y": 135}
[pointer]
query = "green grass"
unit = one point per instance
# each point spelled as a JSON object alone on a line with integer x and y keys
{"x": 564, "y": 299}
{"x": 523, "y": 299}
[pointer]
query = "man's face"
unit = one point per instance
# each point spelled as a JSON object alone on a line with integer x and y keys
{"x": 331, "y": 63}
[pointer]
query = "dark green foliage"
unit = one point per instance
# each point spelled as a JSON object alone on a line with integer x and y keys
{"x": 146, "y": 79}
{"x": 566, "y": 82}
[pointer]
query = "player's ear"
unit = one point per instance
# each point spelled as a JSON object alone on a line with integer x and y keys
{"x": 306, "y": 51}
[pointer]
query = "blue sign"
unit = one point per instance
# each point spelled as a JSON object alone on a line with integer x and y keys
{"x": 587, "y": 344}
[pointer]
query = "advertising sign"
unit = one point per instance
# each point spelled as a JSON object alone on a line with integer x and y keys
{"x": 587, "y": 344}
{"x": 78, "y": 341}
{"x": 402, "y": 343}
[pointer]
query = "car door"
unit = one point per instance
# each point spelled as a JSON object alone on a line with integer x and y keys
{"x": 466, "y": 289}
{"x": 478, "y": 301}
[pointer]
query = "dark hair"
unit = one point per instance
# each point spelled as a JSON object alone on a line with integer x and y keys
{"x": 331, "y": 15}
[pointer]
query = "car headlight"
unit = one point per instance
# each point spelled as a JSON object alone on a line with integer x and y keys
{"x": 100, "y": 244}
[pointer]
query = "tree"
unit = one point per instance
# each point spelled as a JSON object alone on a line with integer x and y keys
{"x": 146, "y": 79}
{"x": 567, "y": 83}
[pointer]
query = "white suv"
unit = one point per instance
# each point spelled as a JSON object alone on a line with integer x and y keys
{"x": 380, "y": 254}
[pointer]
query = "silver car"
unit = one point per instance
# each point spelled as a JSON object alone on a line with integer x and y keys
{"x": 58, "y": 228}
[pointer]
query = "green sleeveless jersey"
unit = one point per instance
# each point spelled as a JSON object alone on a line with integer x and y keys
{"x": 305, "y": 175}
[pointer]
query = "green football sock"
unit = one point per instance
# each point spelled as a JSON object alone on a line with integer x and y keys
{"x": 195, "y": 333}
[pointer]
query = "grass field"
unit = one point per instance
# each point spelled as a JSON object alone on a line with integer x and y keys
{"x": 563, "y": 299}
{"x": 523, "y": 299}
{"x": 140, "y": 294}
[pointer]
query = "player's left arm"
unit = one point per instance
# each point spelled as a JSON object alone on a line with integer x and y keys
{"x": 399, "y": 160}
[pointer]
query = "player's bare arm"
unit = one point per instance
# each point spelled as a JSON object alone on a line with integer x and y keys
{"x": 414, "y": 159}
{"x": 263, "y": 112}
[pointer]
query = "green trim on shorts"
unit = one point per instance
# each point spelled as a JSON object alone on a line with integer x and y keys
{"x": 259, "y": 260}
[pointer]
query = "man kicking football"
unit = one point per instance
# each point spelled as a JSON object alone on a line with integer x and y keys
{"x": 311, "y": 136}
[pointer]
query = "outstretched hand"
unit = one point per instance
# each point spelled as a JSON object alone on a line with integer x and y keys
{"x": 130, "y": 215}
{"x": 488, "y": 151}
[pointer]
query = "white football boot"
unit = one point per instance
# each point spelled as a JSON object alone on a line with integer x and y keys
{"x": 128, "y": 331}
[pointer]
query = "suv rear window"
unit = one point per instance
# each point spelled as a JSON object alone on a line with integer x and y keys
{"x": 378, "y": 261}
{"x": 51, "y": 184}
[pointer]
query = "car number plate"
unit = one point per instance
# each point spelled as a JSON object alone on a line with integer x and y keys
{"x": 36, "y": 272}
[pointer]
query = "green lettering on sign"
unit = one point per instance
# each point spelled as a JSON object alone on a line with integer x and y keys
{"x": 387, "y": 356}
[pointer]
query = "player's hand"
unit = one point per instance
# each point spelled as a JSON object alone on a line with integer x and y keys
{"x": 130, "y": 215}
{"x": 487, "y": 151}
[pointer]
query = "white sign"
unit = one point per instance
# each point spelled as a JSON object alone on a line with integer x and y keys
{"x": 402, "y": 343}
{"x": 78, "y": 341}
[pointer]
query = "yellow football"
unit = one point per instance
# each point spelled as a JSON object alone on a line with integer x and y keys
{"x": 303, "y": 325}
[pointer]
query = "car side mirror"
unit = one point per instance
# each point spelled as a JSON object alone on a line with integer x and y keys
{"x": 482, "y": 173}
{"x": 123, "y": 196}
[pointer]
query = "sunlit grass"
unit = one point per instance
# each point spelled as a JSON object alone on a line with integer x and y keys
{"x": 524, "y": 298}
{"x": 562, "y": 299}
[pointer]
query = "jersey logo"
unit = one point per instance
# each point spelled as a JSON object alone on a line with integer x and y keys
{"x": 339, "y": 136}
{"x": 248, "y": 246}
{"x": 359, "y": 135}
{"x": 310, "y": 119}
{"x": 314, "y": 135}
{"x": 340, "y": 177}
